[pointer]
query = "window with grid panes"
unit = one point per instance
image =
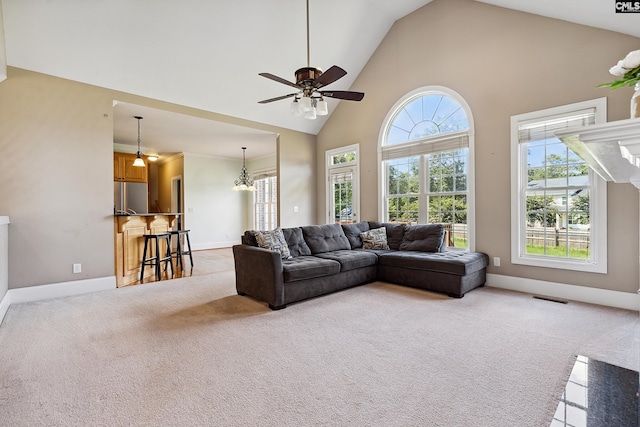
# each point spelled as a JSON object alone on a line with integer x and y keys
{"x": 266, "y": 202}
{"x": 425, "y": 156}
{"x": 558, "y": 202}
{"x": 343, "y": 184}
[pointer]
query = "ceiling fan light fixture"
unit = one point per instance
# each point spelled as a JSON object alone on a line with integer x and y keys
{"x": 322, "y": 108}
{"x": 309, "y": 81}
{"x": 305, "y": 104}
{"x": 295, "y": 107}
{"x": 311, "y": 114}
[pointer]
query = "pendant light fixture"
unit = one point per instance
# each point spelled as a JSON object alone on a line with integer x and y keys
{"x": 244, "y": 182}
{"x": 139, "y": 162}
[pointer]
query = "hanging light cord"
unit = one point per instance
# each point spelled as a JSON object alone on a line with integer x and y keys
{"x": 138, "y": 118}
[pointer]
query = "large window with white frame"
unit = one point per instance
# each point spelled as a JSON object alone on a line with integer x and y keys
{"x": 265, "y": 202}
{"x": 343, "y": 184}
{"x": 426, "y": 154}
{"x": 559, "y": 205}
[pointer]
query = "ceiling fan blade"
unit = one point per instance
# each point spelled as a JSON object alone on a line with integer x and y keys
{"x": 278, "y": 79}
{"x": 331, "y": 75}
{"x": 343, "y": 94}
{"x": 266, "y": 101}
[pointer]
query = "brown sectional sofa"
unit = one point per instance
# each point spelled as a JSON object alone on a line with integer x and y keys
{"x": 327, "y": 258}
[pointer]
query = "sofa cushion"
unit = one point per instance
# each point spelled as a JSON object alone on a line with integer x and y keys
{"x": 375, "y": 239}
{"x": 295, "y": 241}
{"x": 351, "y": 259}
{"x": 308, "y": 267}
{"x": 395, "y": 232}
{"x": 352, "y": 231}
{"x": 325, "y": 238}
{"x": 452, "y": 262}
{"x": 274, "y": 241}
{"x": 423, "y": 237}
{"x": 249, "y": 238}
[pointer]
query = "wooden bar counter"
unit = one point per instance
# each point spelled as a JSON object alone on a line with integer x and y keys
{"x": 129, "y": 243}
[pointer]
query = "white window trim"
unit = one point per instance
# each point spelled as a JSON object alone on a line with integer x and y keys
{"x": 471, "y": 173}
{"x": 598, "y": 203}
{"x": 354, "y": 166}
{"x": 257, "y": 174}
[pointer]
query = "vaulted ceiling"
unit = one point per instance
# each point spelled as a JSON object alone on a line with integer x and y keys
{"x": 207, "y": 54}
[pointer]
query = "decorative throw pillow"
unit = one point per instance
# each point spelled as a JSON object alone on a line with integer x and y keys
{"x": 375, "y": 239}
{"x": 273, "y": 240}
{"x": 423, "y": 238}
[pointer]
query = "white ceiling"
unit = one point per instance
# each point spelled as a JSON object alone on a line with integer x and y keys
{"x": 166, "y": 133}
{"x": 207, "y": 54}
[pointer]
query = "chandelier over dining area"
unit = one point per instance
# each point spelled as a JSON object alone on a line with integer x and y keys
{"x": 244, "y": 181}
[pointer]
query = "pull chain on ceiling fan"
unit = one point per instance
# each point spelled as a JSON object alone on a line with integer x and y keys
{"x": 309, "y": 100}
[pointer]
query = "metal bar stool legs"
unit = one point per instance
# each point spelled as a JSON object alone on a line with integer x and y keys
{"x": 182, "y": 249}
{"x": 153, "y": 258}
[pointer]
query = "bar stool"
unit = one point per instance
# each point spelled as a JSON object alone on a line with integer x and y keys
{"x": 154, "y": 259}
{"x": 181, "y": 250}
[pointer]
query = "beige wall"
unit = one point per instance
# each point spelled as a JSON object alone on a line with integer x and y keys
{"x": 296, "y": 167}
{"x": 56, "y": 173}
{"x": 503, "y": 63}
{"x": 214, "y": 213}
{"x": 56, "y": 178}
{"x": 167, "y": 170}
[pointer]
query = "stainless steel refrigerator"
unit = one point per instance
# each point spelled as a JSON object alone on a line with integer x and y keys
{"x": 130, "y": 197}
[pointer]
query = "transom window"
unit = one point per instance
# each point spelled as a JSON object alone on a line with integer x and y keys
{"x": 426, "y": 155}
{"x": 425, "y": 116}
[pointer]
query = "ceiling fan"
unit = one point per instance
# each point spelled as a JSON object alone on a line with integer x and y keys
{"x": 309, "y": 99}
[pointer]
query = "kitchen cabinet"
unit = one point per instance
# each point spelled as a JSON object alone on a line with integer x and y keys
{"x": 129, "y": 243}
{"x": 124, "y": 171}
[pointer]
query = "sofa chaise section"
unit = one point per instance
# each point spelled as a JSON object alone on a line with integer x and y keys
{"x": 451, "y": 273}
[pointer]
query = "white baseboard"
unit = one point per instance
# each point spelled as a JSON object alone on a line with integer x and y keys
{"x": 55, "y": 290}
{"x": 214, "y": 245}
{"x": 4, "y": 306}
{"x": 625, "y": 300}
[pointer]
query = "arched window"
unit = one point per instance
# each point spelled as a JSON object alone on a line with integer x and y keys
{"x": 426, "y": 159}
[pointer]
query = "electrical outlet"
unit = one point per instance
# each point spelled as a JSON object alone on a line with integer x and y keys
{"x": 77, "y": 268}
{"x": 496, "y": 261}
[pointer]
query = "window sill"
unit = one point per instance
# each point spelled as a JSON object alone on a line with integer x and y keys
{"x": 561, "y": 263}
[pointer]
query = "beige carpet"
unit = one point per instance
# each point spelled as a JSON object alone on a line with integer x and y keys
{"x": 191, "y": 352}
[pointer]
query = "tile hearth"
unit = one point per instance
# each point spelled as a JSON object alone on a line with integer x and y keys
{"x": 598, "y": 394}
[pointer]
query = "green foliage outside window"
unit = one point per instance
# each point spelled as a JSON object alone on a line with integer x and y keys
{"x": 344, "y": 158}
{"x": 557, "y": 201}
{"x": 540, "y": 211}
{"x": 580, "y": 210}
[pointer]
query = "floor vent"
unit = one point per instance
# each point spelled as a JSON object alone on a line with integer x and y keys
{"x": 550, "y": 299}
